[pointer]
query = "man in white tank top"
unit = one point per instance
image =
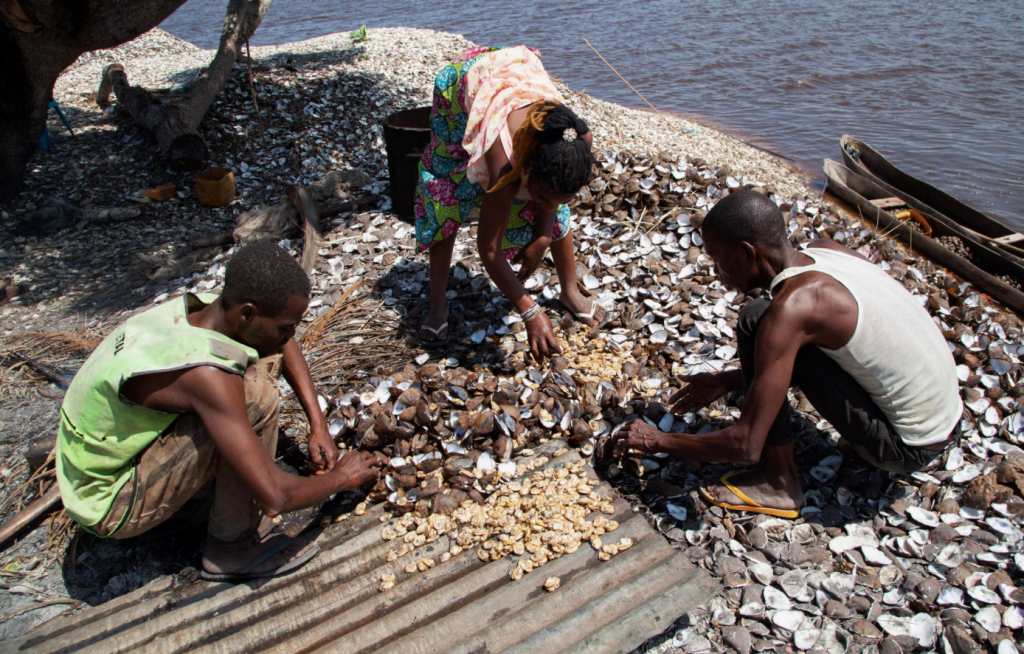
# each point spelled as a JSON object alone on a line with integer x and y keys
{"x": 864, "y": 351}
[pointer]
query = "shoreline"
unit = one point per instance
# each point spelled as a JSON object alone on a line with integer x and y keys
{"x": 322, "y": 100}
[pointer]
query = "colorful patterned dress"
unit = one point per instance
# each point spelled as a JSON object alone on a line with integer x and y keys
{"x": 473, "y": 97}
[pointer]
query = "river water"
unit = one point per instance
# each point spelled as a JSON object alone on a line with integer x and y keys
{"x": 937, "y": 86}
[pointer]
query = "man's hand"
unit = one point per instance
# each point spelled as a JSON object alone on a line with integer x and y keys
{"x": 700, "y": 390}
{"x": 322, "y": 451}
{"x": 543, "y": 343}
{"x": 357, "y": 469}
{"x": 636, "y": 435}
{"x": 531, "y": 256}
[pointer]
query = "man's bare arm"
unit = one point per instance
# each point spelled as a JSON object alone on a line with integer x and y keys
{"x": 793, "y": 323}
{"x": 322, "y": 450}
{"x": 219, "y": 400}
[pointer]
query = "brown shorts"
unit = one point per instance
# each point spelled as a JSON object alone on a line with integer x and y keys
{"x": 183, "y": 461}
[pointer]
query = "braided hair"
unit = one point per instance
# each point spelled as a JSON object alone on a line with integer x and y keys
{"x": 540, "y": 146}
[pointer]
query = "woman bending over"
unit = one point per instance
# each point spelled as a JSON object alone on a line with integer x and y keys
{"x": 503, "y": 144}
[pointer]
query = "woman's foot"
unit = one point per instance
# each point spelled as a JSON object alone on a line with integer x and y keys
{"x": 434, "y": 331}
{"x": 584, "y": 309}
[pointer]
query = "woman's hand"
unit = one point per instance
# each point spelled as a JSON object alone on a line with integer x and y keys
{"x": 543, "y": 343}
{"x": 530, "y": 257}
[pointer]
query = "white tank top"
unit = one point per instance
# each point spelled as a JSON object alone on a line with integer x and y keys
{"x": 897, "y": 353}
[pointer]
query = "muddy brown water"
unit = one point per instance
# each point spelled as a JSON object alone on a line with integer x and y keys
{"x": 936, "y": 86}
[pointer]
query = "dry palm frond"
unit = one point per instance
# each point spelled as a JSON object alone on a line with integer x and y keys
{"x": 29, "y": 359}
{"x": 62, "y": 532}
{"x": 357, "y": 335}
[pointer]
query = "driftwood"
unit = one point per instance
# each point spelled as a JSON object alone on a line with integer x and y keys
{"x": 175, "y": 123}
{"x": 50, "y": 373}
{"x": 175, "y": 134}
{"x": 29, "y": 514}
{"x": 332, "y": 195}
{"x": 304, "y": 204}
{"x": 57, "y": 215}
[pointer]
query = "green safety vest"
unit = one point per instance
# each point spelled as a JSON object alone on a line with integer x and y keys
{"x": 101, "y": 433}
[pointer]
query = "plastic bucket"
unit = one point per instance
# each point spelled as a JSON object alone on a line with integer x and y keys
{"x": 406, "y": 136}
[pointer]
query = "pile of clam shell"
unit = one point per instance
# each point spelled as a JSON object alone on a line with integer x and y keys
{"x": 877, "y": 561}
{"x": 537, "y": 519}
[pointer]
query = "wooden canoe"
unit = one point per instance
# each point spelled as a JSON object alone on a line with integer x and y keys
{"x": 868, "y": 162}
{"x": 858, "y": 192}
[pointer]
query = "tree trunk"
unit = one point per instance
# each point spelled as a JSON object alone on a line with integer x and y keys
{"x": 177, "y": 139}
{"x": 175, "y": 124}
{"x": 38, "y": 40}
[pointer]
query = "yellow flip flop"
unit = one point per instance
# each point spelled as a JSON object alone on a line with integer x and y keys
{"x": 750, "y": 507}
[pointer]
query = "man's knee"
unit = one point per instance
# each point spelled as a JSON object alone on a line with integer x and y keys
{"x": 261, "y": 394}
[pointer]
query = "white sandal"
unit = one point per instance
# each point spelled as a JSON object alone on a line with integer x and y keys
{"x": 438, "y": 342}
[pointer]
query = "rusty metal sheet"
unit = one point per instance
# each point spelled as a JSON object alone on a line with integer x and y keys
{"x": 463, "y": 605}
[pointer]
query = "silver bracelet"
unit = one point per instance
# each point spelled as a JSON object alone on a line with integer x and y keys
{"x": 531, "y": 313}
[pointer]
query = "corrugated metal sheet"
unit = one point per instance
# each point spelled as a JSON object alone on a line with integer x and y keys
{"x": 464, "y": 605}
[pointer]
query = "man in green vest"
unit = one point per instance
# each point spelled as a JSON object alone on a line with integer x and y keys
{"x": 186, "y": 393}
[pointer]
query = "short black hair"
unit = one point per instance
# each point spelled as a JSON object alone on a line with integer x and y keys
{"x": 264, "y": 275}
{"x": 746, "y": 216}
{"x": 564, "y": 165}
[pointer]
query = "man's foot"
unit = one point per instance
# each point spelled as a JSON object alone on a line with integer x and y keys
{"x": 255, "y": 559}
{"x": 755, "y": 492}
{"x": 585, "y": 309}
{"x": 434, "y": 332}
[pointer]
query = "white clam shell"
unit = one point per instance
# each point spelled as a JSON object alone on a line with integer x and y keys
{"x": 967, "y": 473}
{"x": 806, "y": 638}
{"x": 921, "y": 626}
{"x": 840, "y": 544}
{"x": 875, "y": 556}
{"x": 839, "y": 585}
{"x": 951, "y": 596}
{"x": 983, "y": 594}
{"x": 1001, "y": 525}
{"x": 954, "y": 459}
{"x": 923, "y": 516}
{"x": 794, "y": 583}
{"x": 1013, "y": 618}
{"x": 485, "y": 462}
{"x": 788, "y": 620}
{"x": 1007, "y": 647}
{"x": 776, "y": 599}
{"x": 989, "y": 619}
{"x": 677, "y": 511}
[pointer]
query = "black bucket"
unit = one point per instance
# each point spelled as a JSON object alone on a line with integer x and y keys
{"x": 406, "y": 136}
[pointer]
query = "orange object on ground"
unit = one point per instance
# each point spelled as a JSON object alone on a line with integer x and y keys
{"x": 215, "y": 187}
{"x": 160, "y": 193}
